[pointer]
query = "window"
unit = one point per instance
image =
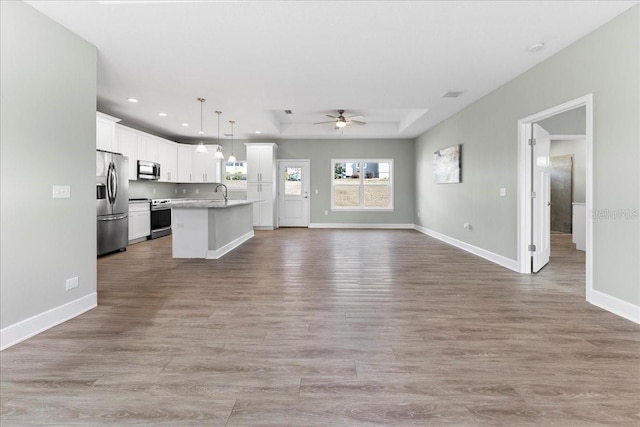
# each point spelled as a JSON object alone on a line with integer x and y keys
{"x": 235, "y": 175}
{"x": 362, "y": 185}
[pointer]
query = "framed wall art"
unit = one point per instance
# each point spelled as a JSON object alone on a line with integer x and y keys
{"x": 446, "y": 165}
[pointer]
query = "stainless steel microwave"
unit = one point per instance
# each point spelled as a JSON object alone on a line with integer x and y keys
{"x": 148, "y": 170}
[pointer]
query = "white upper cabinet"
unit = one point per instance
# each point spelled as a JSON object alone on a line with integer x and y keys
{"x": 185, "y": 162}
{"x": 178, "y": 162}
{"x": 198, "y": 167}
{"x": 128, "y": 144}
{"x": 261, "y": 162}
{"x": 168, "y": 159}
{"x": 148, "y": 148}
{"x": 206, "y": 168}
{"x": 106, "y": 133}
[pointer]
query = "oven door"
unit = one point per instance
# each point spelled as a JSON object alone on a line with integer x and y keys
{"x": 160, "y": 222}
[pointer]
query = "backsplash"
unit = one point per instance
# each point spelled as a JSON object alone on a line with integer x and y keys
{"x": 167, "y": 190}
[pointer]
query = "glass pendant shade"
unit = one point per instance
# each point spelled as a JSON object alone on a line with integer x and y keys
{"x": 219, "y": 154}
{"x": 232, "y": 158}
{"x": 201, "y": 147}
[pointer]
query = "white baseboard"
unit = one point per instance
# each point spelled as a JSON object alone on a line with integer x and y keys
{"x": 615, "y": 305}
{"x": 230, "y": 246}
{"x": 27, "y": 328}
{"x": 359, "y": 225}
{"x": 490, "y": 256}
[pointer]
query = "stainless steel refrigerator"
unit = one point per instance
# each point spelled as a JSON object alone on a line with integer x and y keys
{"x": 112, "y": 194}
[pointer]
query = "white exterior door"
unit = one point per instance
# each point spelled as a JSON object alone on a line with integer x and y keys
{"x": 541, "y": 221}
{"x": 293, "y": 193}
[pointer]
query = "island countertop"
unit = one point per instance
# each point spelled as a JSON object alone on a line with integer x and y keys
{"x": 208, "y": 203}
{"x": 209, "y": 228}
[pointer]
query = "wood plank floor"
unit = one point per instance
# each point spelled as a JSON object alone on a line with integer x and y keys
{"x": 312, "y": 327}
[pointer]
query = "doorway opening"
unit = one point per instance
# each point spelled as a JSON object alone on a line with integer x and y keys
{"x": 534, "y": 200}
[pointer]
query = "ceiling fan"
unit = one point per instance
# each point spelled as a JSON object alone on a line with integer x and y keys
{"x": 341, "y": 121}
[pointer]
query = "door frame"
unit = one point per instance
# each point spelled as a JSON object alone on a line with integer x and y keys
{"x": 524, "y": 184}
{"x": 280, "y": 162}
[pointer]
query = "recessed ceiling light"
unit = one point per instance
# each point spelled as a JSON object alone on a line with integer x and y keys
{"x": 185, "y": 124}
{"x": 258, "y": 131}
{"x": 536, "y": 47}
{"x": 162, "y": 114}
{"x": 132, "y": 100}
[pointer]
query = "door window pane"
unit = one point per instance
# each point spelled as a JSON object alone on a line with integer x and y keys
{"x": 293, "y": 181}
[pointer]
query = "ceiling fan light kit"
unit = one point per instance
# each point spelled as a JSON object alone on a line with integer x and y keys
{"x": 341, "y": 120}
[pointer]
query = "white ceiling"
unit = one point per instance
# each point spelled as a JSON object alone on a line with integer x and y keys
{"x": 391, "y": 61}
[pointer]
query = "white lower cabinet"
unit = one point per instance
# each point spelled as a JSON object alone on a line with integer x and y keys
{"x": 263, "y": 208}
{"x": 139, "y": 221}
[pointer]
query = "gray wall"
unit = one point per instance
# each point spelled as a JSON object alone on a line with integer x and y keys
{"x": 321, "y": 151}
{"x": 572, "y": 122}
{"x": 48, "y": 137}
{"x": 606, "y": 63}
{"x": 576, "y": 148}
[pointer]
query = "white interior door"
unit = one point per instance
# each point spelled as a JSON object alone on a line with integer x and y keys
{"x": 541, "y": 203}
{"x": 293, "y": 193}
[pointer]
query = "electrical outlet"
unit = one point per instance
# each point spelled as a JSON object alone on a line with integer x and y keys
{"x": 503, "y": 191}
{"x": 197, "y": 190}
{"x": 72, "y": 283}
{"x": 184, "y": 190}
{"x": 326, "y": 212}
{"x": 61, "y": 192}
{"x": 154, "y": 191}
{"x": 466, "y": 226}
{"x": 176, "y": 191}
{"x": 316, "y": 191}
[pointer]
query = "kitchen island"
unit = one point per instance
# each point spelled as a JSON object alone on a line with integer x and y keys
{"x": 209, "y": 228}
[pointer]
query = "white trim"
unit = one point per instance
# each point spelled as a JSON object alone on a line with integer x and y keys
{"x": 524, "y": 184}
{"x": 361, "y": 225}
{"x": 18, "y": 332}
{"x": 615, "y": 306}
{"x": 566, "y": 137}
{"x": 361, "y": 185}
{"x": 281, "y": 195}
{"x": 511, "y": 264}
{"x": 218, "y": 253}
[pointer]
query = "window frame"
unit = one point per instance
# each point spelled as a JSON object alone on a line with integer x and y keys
{"x": 224, "y": 175}
{"x": 361, "y": 185}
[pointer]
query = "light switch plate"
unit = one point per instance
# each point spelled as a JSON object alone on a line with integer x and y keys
{"x": 61, "y": 192}
{"x": 503, "y": 191}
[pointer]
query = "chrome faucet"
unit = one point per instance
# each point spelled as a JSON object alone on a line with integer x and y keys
{"x": 225, "y": 191}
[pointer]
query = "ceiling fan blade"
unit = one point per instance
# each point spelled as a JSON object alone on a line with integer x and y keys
{"x": 333, "y": 117}
{"x": 353, "y": 117}
{"x": 357, "y": 122}
{"x": 320, "y": 123}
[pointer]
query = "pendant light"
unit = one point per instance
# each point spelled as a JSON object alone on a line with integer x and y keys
{"x": 201, "y": 147}
{"x": 219, "y": 154}
{"x": 232, "y": 158}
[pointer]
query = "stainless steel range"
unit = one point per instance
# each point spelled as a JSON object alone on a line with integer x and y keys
{"x": 160, "y": 218}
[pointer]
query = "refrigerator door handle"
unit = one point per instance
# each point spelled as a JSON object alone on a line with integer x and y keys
{"x": 112, "y": 217}
{"x": 111, "y": 183}
{"x": 115, "y": 183}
